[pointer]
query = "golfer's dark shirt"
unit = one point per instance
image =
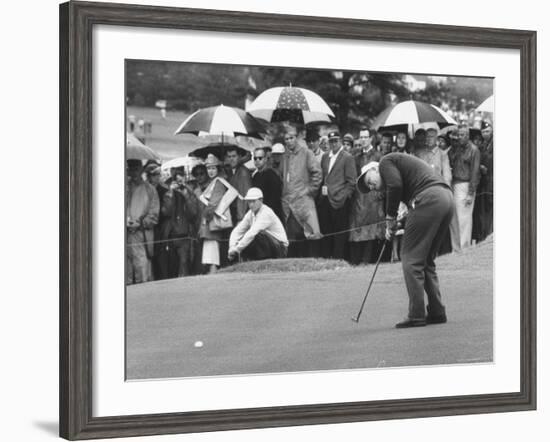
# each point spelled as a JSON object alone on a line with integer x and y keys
{"x": 404, "y": 177}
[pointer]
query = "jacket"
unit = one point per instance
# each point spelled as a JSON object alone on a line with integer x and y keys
{"x": 340, "y": 181}
{"x": 301, "y": 179}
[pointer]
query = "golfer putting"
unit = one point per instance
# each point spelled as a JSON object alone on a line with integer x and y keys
{"x": 429, "y": 199}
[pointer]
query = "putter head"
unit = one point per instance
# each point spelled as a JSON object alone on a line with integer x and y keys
{"x": 355, "y": 319}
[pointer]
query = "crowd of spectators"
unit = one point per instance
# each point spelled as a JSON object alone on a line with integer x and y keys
{"x": 299, "y": 200}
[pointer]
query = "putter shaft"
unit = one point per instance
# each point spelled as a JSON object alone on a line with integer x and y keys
{"x": 356, "y": 319}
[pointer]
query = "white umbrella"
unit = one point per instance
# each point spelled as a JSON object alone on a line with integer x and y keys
{"x": 187, "y": 162}
{"x": 488, "y": 105}
{"x": 136, "y": 150}
{"x": 290, "y": 104}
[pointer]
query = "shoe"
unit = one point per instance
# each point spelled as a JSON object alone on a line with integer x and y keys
{"x": 438, "y": 319}
{"x": 411, "y": 323}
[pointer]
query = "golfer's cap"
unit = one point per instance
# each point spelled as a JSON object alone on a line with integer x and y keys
{"x": 432, "y": 130}
{"x": 277, "y": 148}
{"x": 333, "y": 134}
{"x": 361, "y": 186}
{"x": 253, "y": 194}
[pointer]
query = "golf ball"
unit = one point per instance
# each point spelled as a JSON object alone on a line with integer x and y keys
{"x": 198, "y": 344}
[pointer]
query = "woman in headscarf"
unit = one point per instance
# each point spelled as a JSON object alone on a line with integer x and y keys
{"x": 216, "y": 220}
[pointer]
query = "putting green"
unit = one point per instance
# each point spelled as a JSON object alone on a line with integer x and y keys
{"x": 301, "y": 321}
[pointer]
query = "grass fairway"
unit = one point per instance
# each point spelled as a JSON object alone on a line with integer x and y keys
{"x": 301, "y": 321}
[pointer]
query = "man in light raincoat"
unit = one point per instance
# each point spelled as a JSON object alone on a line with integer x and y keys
{"x": 302, "y": 177}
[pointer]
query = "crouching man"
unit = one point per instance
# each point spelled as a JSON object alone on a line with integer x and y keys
{"x": 260, "y": 234}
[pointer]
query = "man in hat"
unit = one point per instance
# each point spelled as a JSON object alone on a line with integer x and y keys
{"x": 337, "y": 187}
{"x": 347, "y": 142}
{"x": 268, "y": 181}
{"x": 302, "y": 177}
{"x": 260, "y": 234}
{"x": 429, "y": 199}
{"x": 464, "y": 160}
{"x": 312, "y": 141}
{"x": 366, "y": 220}
{"x": 239, "y": 177}
{"x": 142, "y": 211}
{"x": 276, "y": 157}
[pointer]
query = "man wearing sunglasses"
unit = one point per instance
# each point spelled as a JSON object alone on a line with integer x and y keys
{"x": 268, "y": 181}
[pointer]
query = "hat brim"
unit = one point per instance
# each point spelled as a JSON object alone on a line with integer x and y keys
{"x": 360, "y": 183}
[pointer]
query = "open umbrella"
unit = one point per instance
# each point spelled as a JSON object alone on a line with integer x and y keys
{"x": 411, "y": 112}
{"x": 218, "y": 149}
{"x": 290, "y": 104}
{"x": 221, "y": 120}
{"x": 136, "y": 150}
{"x": 188, "y": 162}
{"x": 488, "y": 105}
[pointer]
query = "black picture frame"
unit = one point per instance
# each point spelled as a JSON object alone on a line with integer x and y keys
{"x": 76, "y": 22}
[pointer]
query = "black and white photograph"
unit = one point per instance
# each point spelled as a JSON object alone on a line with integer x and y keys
{"x": 283, "y": 219}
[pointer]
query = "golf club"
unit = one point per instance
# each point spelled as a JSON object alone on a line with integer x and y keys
{"x": 356, "y": 319}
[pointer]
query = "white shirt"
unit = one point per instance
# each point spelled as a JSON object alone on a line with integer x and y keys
{"x": 252, "y": 224}
{"x": 332, "y": 158}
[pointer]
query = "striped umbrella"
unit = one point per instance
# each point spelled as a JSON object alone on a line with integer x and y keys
{"x": 411, "y": 112}
{"x": 290, "y": 104}
{"x": 136, "y": 150}
{"x": 221, "y": 120}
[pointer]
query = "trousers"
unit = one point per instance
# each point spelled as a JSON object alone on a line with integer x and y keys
{"x": 333, "y": 220}
{"x": 138, "y": 265}
{"x": 264, "y": 246}
{"x": 426, "y": 226}
{"x": 461, "y": 224}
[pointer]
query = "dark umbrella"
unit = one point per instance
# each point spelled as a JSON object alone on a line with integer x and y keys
{"x": 218, "y": 149}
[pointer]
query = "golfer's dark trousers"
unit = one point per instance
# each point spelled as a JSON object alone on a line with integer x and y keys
{"x": 426, "y": 226}
{"x": 264, "y": 246}
{"x": 333, "y": 220}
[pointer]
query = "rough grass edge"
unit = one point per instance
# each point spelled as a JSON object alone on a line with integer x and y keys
{"x": 296, "y": 265}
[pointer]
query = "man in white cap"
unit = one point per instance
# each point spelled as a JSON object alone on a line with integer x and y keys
{"x": 276, "y": 156}
{"x": 429, "y": 199}
{"x": 260, "y": 234}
